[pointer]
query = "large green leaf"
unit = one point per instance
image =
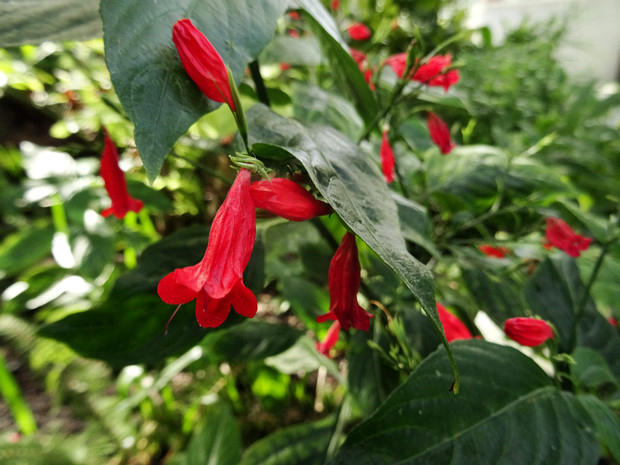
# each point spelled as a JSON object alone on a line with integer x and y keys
{"x": 147, "y": 74}
{"x": 606, "y": 421}
{"x": 342, "y": 65}
{"x": 355, "y": 188}
{"x": 34, "y": 21}
{"x": 304, "y": 444}
{"x": 555, "y": 292}
{"x": 128, "y": 328}
{"x": 217, "y": 440}
{"x": 507, "y": 412}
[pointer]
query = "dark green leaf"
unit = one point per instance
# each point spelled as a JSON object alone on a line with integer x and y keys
{"x": 554, "y": 293}
{"x": 355, "y": 188}
{"x": 217, "y": 440}
{"x": 34, "y": 21}
{"x": 590, "y": 369}
{"x": 304, "y": 444}
{"x": 606, "y": 421}
{"x": 147, "y": 74}
{"x": 506, "y": 400}
{"x": 128, "y": 328}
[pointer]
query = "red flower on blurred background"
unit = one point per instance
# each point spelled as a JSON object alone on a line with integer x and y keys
{"x": 560, "y": 235}
{"x": 528, "y": 332}
{"x": 434, "y": 72}
{"x": 287, "y": 199}
{"x": 330, "y": 339}
{"x": 387, "y": 158}
{"x": 359, "y": 31}
{"x": 202, "y": 62}
{"x": 216, "y": 282}
{"x": 494, "y": 252}
{"x": 344, "y": 282}
{"x": 335, "y": 4}
{"x": 452, "y": 326}
{"x": 115, "y": 182}
{"x": 439, "y": 133}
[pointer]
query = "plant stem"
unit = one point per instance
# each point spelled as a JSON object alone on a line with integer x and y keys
{"x": 261, "y": 90}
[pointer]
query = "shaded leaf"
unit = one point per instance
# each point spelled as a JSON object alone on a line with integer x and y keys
{"x": 146, "y": 71}
{"x": 217, "y": 439}
{"x": 606, "y": 421}
{"x": 24, "y": 248}
{"x": 488, "y": 422}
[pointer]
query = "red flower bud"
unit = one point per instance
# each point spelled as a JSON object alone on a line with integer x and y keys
{"x": 528, "y": 332}
{"x": 115, "y": 182}
{"x": 452, "y": 326}
{"x": 335, "y": 4}
{"x": 287, "y": 199}
{"x": 344, "y": 283}
{"x": 216, "y": 282}
{"x": 387, "y": 158}
{"x": 330, "y": 339}
{"x": 359, "y": 31}
{"x": 439, "y": 133}
{"x": 560, "y": 235}
{"x": 202, "y": 62}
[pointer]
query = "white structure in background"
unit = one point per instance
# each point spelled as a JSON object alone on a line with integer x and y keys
{"x": 592, "y": 44}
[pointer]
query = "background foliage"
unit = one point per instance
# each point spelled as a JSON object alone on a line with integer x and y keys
{"x": 86, "y": 372}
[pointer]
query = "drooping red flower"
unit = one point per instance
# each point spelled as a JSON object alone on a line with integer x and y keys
{"x": 439, "y": 133}
{"x": 452, "y": 326}
{"x": 560, "y": 235}
{"x": 435, "y": 72}
{"x": 115, "y": 182}
{"x": 335, "y": 4}
{"x": 216, "y": 282}
{"x": 494, "y": 252}
{"x": 287, "y": 199}
{"x": 359, "y": 57}
{"x": 330, "y": 339}
{"x": 530, "y": 332}
{"x": 202, "y": 62}
{"x": 344, "y": 282}
{"x": 359, "y": 31}
{"x": 387, "y": 158}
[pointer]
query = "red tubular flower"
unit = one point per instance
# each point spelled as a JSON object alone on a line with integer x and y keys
{"x": 452, "y": 326}
{"x": 432, "y": 68}
{"x": 359, "y": 57}
{"x": 445, "y": 80}
{"x": 387, "y": 158}
{"x": 202, "y": 62}
{"x": 287, "y": 199}
{"x": 494, "y": 252}
{"x": 335, "y": 4}
{"x": 397, "y": 63}
{"x": 330, "y": 339}
{"x": 115, "y": 182}
{"x": 216, "y": 282}
{"x": 439, "y": 133}
{"x": 344, "y": 283}
{"x": 359, "y": 31}
{"x": 434, "y": 72}
{"x": 560, "y": 235}
{"x": 530, "y": 332}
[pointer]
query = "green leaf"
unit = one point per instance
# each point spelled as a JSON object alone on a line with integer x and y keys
{"x": 128, "y": 328}
{"x": 304, "y": 51}
{"x": 414, "y": 223}
{"x": 35, "y": 21}
{"x": 506, "y": 400}
{"x": 217, "y": 440}
{"x": 12, "y": 395}
{"x": 304, "y": 444}
{"x": 25, "y": 248}
{"x": 554, "y": 293}
{"x": 606, "y": 421}
{"x": 146, "y": 71}
{"x": 252, "y": 340}
{"x": 590, "y": 369}
{"x": 342, "y": 64}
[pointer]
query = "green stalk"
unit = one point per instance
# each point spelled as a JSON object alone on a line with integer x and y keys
{"x": 24, "y": 418}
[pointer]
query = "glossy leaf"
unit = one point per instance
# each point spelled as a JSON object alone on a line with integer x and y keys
{"x": 606, "y": 421}
{"x": 488, "y": 422}
{"x": 304, "y": 444}
{"x": 28, "y": 21}
{"x": 146, "y": 71}
{"x": 356, "y": 190}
